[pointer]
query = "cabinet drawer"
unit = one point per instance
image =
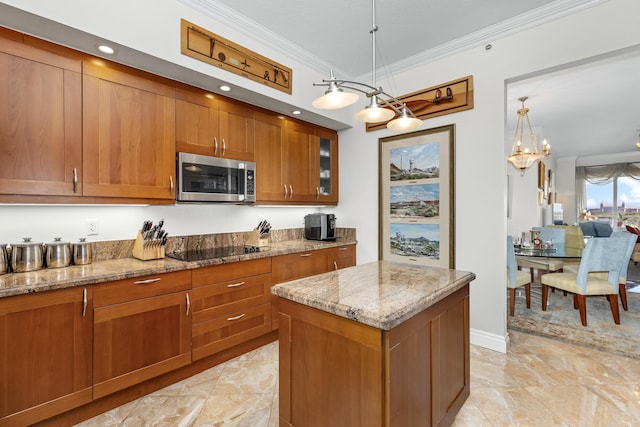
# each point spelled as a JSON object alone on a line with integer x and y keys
{"x": 210, "y": 301}
{"x": 236, "y": 270}
{"x": 140, "y": 287}
{"x": 298, "y": 265}
{"x": 343, "y": 256}
{"x": 234, "y": 326}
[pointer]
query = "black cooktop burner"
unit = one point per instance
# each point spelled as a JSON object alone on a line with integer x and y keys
{"x": 212, "y": 253}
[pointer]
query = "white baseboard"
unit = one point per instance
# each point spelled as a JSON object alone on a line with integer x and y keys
{"x": 491, "y": 341}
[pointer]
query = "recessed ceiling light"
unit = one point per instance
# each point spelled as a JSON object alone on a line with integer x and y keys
{"x": 106, "y": 49}
{"x": 296, "y": 112}
{"x": 224, "y": 88}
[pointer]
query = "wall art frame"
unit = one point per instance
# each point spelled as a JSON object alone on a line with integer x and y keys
{"x": 417, "y": 197}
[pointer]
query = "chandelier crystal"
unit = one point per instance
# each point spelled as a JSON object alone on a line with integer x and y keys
{"x": 382, "y": 107}
{"x": 522, "y": 157}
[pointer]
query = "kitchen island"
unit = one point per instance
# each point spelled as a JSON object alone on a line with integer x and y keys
{"x": 380, "y": 344}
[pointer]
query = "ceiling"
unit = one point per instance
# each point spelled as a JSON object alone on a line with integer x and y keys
{"x": 583, "y": 110}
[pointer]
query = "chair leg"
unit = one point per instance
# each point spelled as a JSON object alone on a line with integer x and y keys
{"x": 575, "y": 301}
{"x": 527, "y": 293}
{"x": 622, "y": 288}
{"x": 613, "y": 302}
{"x": 512, "y": 301}
{"x": 545, "y": 295}
{"x": 582, "y": 306}
{"x": 531, "y": 273}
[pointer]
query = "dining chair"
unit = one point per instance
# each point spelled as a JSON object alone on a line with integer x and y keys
{"x": 558, "y": 236}
{"x": 516, "y": 278}
{"x": 599, "y": 255}
{"x": 622, "y": 279}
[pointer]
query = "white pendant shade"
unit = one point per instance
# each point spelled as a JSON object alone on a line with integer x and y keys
{"x": 374, "y": 113}
{"x": 404, "y": 123}
{"x": 335, "y": 98}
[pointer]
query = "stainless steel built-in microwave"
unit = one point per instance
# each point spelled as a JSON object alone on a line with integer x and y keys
{"x": 215, "y": 179}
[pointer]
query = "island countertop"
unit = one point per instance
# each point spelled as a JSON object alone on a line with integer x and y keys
{"x": 382, "y": 294}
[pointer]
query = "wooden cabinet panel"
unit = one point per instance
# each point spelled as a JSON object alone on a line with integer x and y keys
{"x": 196, "y": 121}
{"x": 298, "y": 265}
{"x": 270, "y": 134}
{"x": 233, "y": 310}
{"x": 138, "y": 340}
{"x": 296, "y": 156}
{"x": 128, "y": 133}
{"x": 342, "y": 257}
{"x": 141, "y": 287}
{"x": 40, "y": 120}
{"x": 46, "y": 354}
{"x": 324, "y": 166}
{"x": 236, "y": 132}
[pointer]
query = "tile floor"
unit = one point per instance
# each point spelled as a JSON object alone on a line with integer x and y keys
{"x": 539, "y": 382}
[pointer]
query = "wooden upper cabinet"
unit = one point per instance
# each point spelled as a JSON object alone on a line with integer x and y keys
{"x": 236, "y": 139}
{"x": 269, "y": 140}
{"x": 46, "y": 354}
{"x": 196, "y": 121}
{"x": 209, "y": 126}
{"x": 40, "y": 118}
{"x": 297, "y": 156}
{"x": 128, "y": 132}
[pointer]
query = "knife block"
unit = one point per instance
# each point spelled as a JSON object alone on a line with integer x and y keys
{"x": 253, "y": 239}
{"x": 146, "y": 252}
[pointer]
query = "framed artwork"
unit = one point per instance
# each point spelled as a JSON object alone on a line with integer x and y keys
{"x": 550, "y": 187}
{"x": 542, "y": 175}
{"x": 417, "y": 194}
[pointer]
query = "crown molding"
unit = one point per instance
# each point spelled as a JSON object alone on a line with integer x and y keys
{"x": 253, "y": 30}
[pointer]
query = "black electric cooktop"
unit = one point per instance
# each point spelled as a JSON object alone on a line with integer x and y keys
{"x": 212, "y": 253}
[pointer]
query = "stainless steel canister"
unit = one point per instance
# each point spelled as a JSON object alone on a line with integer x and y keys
{"x": 58, "y": 253}
{"x": 26, "y": 256}
{"x": 4, "y": 259}
{"x": 82, "y": 252}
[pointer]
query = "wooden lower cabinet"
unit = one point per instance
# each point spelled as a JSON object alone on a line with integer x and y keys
{"x": 45, "y": 354}
{"x": 299, "y": 265}
{"x": 142, "y": 328}
{"x": 342, "y": 257}
{"x": 231, "y": 304}
{"x": 334, "y": 371}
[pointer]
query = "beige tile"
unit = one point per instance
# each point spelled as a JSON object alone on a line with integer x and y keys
{"x": 471, "y": 416}
{"x": 250, "y": 376}
{"x": 113, "y": 417}
{"x": 250, "y": 410}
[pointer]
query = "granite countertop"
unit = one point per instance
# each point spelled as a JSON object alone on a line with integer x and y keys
{"x": 381, "y": 294}
{"x": 126, "y": 268}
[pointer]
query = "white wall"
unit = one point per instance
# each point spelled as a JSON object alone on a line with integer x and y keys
{"x": 481, "y": 168}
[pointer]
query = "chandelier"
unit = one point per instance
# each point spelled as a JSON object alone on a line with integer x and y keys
{"x": 522, "y": 157}
{"x": 382, "y": 107}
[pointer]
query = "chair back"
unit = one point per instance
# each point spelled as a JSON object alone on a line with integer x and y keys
{"x": 511, "y": 261}
{"x": 624, "y": 239}
{"x": 558, "y": 235}
{"x": 605, "y": 254}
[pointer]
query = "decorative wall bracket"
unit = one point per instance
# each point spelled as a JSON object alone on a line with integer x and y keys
{"x": 209, "y": 47}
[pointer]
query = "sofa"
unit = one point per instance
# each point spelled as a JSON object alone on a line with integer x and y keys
{"x": 596, "y": 228}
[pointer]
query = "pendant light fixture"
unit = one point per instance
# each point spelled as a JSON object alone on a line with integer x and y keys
{"x": 638, "y": 143}
{"x": 382, "y": 106}
{"x": 522, "y": 157}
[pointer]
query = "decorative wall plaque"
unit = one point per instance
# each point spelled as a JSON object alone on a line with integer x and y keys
{"x": 446, "y": 98}
{"x": 209, "y": 47}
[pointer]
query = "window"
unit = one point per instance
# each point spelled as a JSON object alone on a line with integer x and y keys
{"x": 612, "y": 193}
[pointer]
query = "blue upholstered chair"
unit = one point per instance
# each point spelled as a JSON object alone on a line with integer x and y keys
{"x": 622, "y": 279}
{"x": 599, "y": 255}
{"x": 516, "y": 278}
{"x": 558, "y": 235}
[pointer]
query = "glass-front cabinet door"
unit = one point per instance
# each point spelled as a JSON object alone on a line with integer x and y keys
{"x": 326, "y": 162}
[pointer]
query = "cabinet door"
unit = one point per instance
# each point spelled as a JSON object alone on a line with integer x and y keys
{"x": 40, "y": 120}
{"x": 298, "y": 265}
{"x": 296, "y": 155}
{"x": 140, "y": 339}
{"x": 269, "y": 140}
{"x": 342, "y": 257}
{"x": 45, "y": 354}
{"x": 196, "y": 121}
{"x": 236, "y": 138}
{"x": 128, "y": 133}
{"x": 324, "y": 166}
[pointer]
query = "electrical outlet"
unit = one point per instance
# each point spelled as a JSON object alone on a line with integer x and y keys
{"x": 92, "y": 227}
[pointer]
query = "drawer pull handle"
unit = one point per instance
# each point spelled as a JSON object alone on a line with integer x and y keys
{"x": 84, "y": 302}
{"x": 343, "y": 249}
{"x": 75, "y": 180}
{"x": 170, "y": 185}
{"x": 335, "y": 265}
{"x": 235, "y": 285}
{"x": 145, "y": 282}
{"x": 236, "y": 317}
{"x": 188, "y": 304}
{"x": 305, "y": 255}
{"x": 215, "y": 146}
{"x": 224, "y": 147}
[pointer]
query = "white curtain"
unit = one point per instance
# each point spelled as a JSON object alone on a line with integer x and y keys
{"x": 601, "y": 175}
